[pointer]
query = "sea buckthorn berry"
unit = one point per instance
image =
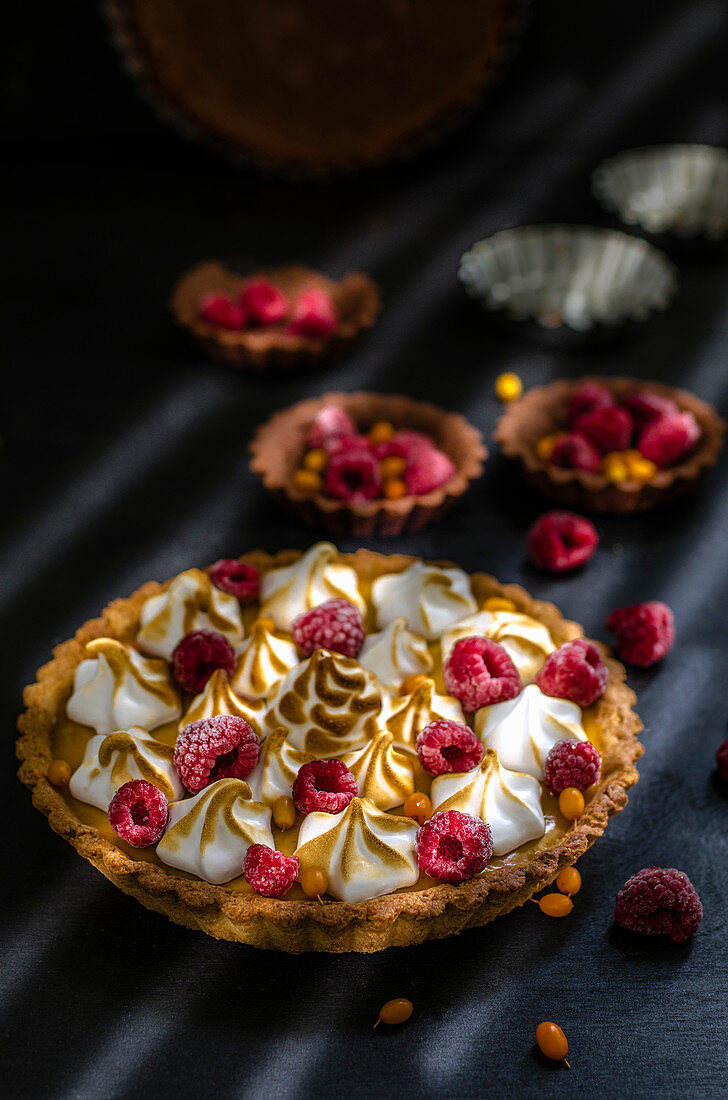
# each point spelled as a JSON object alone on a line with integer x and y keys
{"x": 419, "y": 807}
{"x": 568, "y": 881}
{"x": 615, "y": 467}
{"x": 284, "y": 812}
{"x": 314, "y": 882}
{"x": 394, "y": 489}
{"x": 59, "y": 773}
{"x": 381, "y": 432}
{"x": 552, "y": 1042}
{"x": 411, "y": 683}
{"x": 498, "y": 603}
{"x": 555, "y": 905}
{"x": 307, "y": 481}
{"x": 316, "y": 460}
{"x": 508, "y": 386}
{"x": 640, "y": 468}
{"x": 393, "y": 466}
{"x": 264, "y": 624}
{"x": 546, "y": 444}
{"x": 571, "y": 803}
{"x": 395, "y": 1011}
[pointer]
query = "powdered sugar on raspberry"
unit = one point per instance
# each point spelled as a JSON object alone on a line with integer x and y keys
{"x": 645, "y": 632}
{"x": 236, "y": 577}
{"x": 572, "y": 764}
{"x": 198, "y": 655}
{"x": 480, "y": 672}
{"x": 268, "y": 872}
{"x": 660, "y": 901}
{"x": 575, "y": 671}
{"x": 223, "y": 747}
{"x": 446, "y": 746}
{"x": 324, "y": 786}
{"x": 138, "y": 813}
{"x": 336, "y": 625}
{"x": 454, "y": 847}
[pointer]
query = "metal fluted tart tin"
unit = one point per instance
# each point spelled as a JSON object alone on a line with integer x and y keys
{"x": 680, "y": 190}
{"x": 568, "y": 275}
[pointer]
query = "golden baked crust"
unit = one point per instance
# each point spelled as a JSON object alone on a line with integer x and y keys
{"x": 542, "y": 411}
{"x": 295, "y": 926}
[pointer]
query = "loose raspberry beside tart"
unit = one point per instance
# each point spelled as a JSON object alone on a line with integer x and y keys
{"x": 311, "y": 799}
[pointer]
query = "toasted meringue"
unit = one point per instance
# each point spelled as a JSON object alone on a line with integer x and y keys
{"x": 316, "y": 577}
{"x": 395, "y": 653}
{"x": 431, "y": 598}
{"x": 407, "y": 715}
{"x": 115, "y": 688}
{"x": 363, "y": 851}
{"x": 209, "y": 834}
{"x": 264, "y": 660}
{"x": 523, "y": 730}
{"x": 383, "y": 775}
{"x": 509, "y": 801}
{"x": 277, "y": 768}
{"x": 116, "y": 758}
{"x": 218, "y": 697}
{"x": 190, "y": 603}
{"x": 527, "y": 641}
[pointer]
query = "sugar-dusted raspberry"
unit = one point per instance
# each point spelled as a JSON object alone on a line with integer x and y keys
{"x": 427, "y": 469}
{"x": 334, "y": 625}
{"x": 575, "y": 452}
{"x": 198, "y": 655}
{"x": 269, "y": 872}
{"x": 575, "y": 671}
{"x": 236, "y": 577}
{"x": 446, "y": 746}
{"x": 353, "y": 475}
{"x": 222, "y": 310}
{"x": 572, "y": 764}
{"x": 223, "y": 747}
{"x": 645, "y": 632}
{"x": 453, "y": 846}
{"x": 659, "y": 901}
{"x": 669, "y": 438}
{"x": 587, "y": 398}
{"x": 609, "y": 429}
{"x": 331, "y": 423}
{"x": 138, "y": 813}
{"x": 264, "y": 303}
{"x": 645, "y": 406}
{"x": 324, "y": 786}
{"x": 479, "y": 672}
{"x": 561, "y": 541}
{"x": 314, "y": 314}
{"x": 721, "y": 760}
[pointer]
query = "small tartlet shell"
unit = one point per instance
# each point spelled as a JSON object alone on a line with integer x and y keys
{"x": 356, "y": 299}
{"x": 279, "y": 445}
{"x": 542, "y": 411}
{"x": 398, "y": 919}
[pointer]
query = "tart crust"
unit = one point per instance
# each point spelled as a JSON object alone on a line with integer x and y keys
{"x": 356, "y": 298}
{"x": 279, "y": 444}
{"x": 295, "y": 926}
{"x": 542, "y": 411}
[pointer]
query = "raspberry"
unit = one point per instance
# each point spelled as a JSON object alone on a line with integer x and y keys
{"x": 609, "y": 429}
{"x": 561, "y": 541}
{"x": 235, "y": 577}
{"x": 331, "y": 423}
{"x": 645, "y": 406}
{"x": 324, "y": 786}
{"x": 314, "y": 314}
{"x": 572, "y": 764}
{"x": 575, "y": 452}
{"x": 198, "y": 655}
{"x": 453, "y": 846}
{"x": 269, "y": 872}
{"x": 427, "y": 469}
{"x": 588, "y": 398}
{"x": 138, "y": 813}
{"x": 263, "y": 303}
{"x": 445, "y": 746}
{"x": 659, "y": 901}
{"x": 721, "y": 760}
{"x": 334, "y": 625}
{"x": 668, "y": 439}
{"x": 574, "y": 671}
{"x": 644, "y": 632}
{"x": 339, "y": 443}
{"x": 479, "y": 672}
{"x": 224, "y": 747}
{"x": 353, "y": 475}
{"x": 221, "y": 310}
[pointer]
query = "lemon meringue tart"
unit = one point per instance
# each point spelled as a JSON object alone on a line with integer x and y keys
{"x": 337, "y": 668}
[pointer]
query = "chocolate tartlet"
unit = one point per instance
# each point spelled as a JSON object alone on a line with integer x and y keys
{"x": 355, "y": 298}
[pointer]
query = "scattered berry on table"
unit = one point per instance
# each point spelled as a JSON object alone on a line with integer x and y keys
{"x": 395, "y": 1011}
{"x": 561, "y": 541}
{"x": 508, "y": 386}
{"x": 568, "y": 881}
{"x": 555, "y": 905}
{"x": 659, "y": 901}
{"x": 645, "y": 632}
{"x": 552, "y": 1042}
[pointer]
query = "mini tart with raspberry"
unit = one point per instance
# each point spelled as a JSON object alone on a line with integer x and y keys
{"x": 280, "y": 444}
{"x": 541, "y": 414}
{"x": 355, "y": 300}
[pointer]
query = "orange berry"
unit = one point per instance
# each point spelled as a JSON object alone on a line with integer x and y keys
{"x": 314, "y": 882}
{"x": 394, "y": 466}
{"x": 394, "y": 489}
{"x": 640, "y": 468}
{"x": 307, "y": 481}
{"x": 615, "y": 468}
{"x": 571, "y": 803}
{"x": 568, "y": 881}
{"x": 498, "y": 603}
{"x": 59, "y": 772}
{"x": 395, "y": 1011}
{"x": 284, "y": 812}
{"x": 552, "y": 1042}
{"x": 381, "y": 431}
{"x": 411, "y": 683}
{"x": 264, "y": 624}
{"x": 555, "y": 905}
{"x": 508, "y": 386}
{"x": 316, "y": 460}
{"x": 546, "y": 444}
{"x": 419, "y": 807}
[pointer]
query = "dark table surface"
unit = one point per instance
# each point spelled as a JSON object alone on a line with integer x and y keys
{"x": 124, "y": 458}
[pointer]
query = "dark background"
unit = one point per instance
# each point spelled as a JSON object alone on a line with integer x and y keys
{"x": 124, "y": 458}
